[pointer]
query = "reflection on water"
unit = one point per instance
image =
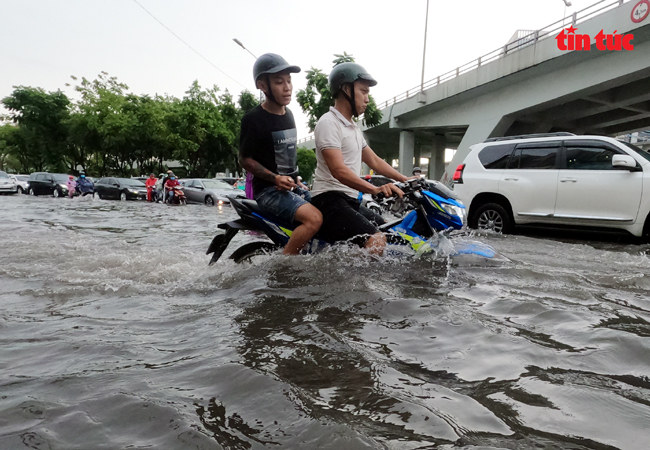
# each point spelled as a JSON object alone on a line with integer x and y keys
{"x": 116, "y": 334}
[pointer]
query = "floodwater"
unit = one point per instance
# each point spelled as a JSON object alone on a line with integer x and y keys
{"x": 115, "y": 334}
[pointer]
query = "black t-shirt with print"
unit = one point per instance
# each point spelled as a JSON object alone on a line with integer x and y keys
{"x": 269, "y": 139}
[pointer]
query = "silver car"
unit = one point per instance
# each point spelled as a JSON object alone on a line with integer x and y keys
{"x": 7, "y": 184}
{"x": 209, "y": 192}
{"x": 22, "y": 183}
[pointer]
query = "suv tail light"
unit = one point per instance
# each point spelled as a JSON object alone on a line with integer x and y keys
{"x": 458, "y": 175}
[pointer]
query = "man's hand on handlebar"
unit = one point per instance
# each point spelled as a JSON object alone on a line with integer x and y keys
{"x": 284, "y": 183}
{"x": 388, "y": 190}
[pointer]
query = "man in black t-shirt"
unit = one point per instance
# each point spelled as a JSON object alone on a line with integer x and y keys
{"x": 267, "y": 149}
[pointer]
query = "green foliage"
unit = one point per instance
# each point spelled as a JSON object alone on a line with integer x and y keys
{"x": 10, "y": 148}
{"x": 41, "y": 140}
{"x": 109, "y": 130}
{"x": 247, "y": 101}
{"x": 340, "y": 59}
{"x": 316, "y": 99}
{"x": 306, "y": 160}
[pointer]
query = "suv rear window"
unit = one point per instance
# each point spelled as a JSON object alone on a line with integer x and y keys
{"x": 534, "y": 158}
{"x": 496, "y": 156}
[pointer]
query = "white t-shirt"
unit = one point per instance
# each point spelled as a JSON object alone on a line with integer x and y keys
{"x": 335, "y": 131}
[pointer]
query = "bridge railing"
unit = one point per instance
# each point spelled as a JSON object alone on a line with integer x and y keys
{"x": 521, "y": 42}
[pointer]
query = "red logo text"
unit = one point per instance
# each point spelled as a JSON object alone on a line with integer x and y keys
{"x": 569, "y": 40}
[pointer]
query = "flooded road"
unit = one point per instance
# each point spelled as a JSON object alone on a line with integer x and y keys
{"x": 116, "y": 334}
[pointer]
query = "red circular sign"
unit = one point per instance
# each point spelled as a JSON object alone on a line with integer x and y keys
{"x": 640, "y": 11}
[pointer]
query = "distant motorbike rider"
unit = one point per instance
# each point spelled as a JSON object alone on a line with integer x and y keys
{"x": 171, "y": 184}
{"x": 72, "y": 186}
{"x": 151, "y": 187}
{"x": 340, "y": 151}
{"x": 84, "y": 185}
{"x": 164, "y": 182}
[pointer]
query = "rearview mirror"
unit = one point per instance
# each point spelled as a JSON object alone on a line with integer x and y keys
{"x": 624, "y": 162}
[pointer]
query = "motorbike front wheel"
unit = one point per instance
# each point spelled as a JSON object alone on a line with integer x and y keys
{"x": 247, "y": 252}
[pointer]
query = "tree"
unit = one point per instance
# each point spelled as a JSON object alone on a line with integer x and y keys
{"x": 41, "y": 122}
{"x": 204, "y": 128}
{"x": 10, "y": 149}
{"x": 306, "y": 160}
{"x": 316, "y": 99}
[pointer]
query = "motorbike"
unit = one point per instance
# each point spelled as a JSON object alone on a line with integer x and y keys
{"x": 152, "y": 193}
{"x": 179, "y": 196}
{"x": 434, "y": 212}
{"x": 370, "y": 203}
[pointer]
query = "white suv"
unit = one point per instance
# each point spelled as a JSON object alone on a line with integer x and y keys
{"x": 556, "y": 179}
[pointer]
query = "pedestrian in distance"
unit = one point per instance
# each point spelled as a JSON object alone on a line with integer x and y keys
{"x": 267, "y": 150}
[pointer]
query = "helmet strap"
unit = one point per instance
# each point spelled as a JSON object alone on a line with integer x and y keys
{"x": 351, "y": 100}
{"x": 270, "y": 94}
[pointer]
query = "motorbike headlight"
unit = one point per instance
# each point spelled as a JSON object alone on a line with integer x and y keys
{"x": 454, "y": 210}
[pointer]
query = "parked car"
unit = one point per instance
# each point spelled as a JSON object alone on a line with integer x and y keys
{"x": 7, "y": 184}
{"x": 22, "y": 183}
{"x": 120, "y": 189}
{"x": 556, "y": 179}
{"x": 45, "y": 183}
{"x": 230, "y": 180}
{"x": 209, "y": 191}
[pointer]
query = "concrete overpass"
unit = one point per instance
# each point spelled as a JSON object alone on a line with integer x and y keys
{"x": 527, "y": 86}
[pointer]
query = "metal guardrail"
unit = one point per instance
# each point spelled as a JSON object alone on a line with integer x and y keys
{"x": 530, "y": 39}
{"x": 526, "y": 40}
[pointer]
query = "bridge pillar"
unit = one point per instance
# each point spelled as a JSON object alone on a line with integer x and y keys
{"x": 406, "y": 151}
{"x": 437, "y": 160}
{"x": 477, "y": 132}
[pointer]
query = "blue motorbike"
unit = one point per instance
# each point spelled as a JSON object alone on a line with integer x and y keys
{"x": 433, "y": 211}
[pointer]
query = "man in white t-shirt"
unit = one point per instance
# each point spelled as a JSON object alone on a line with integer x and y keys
{"x": 340, "y": 151}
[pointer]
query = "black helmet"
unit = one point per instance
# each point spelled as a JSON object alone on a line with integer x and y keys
{"x": 270, "y": 63}
{"x": 416, "y": 169}
{"x": 348, "y": 72}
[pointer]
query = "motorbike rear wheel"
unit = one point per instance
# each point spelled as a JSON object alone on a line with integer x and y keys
{"x": 247, "y": 252}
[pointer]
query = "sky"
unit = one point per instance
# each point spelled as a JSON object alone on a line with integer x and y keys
{"x": 44, "y": 42}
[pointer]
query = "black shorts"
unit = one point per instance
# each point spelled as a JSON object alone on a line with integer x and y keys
{"x": 341, "y": 218}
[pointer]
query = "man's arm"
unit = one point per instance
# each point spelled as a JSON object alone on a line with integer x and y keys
{"x": 283, "y": 182}
{"x": 380, "y": 166}
{"x": 334, "y": 159}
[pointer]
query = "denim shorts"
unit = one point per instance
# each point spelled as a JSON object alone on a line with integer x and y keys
{"x": 282, "y": 204}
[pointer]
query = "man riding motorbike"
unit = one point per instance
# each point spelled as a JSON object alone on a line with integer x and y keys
{"x": 340, "y": 150}
{"x": 84, "y": 185}
{"x": 170, "y": 185}
{"x": 151, "y": 188}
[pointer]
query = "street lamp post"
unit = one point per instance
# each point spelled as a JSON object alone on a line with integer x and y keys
{"x": 424, "y": 52}
{"x": 238, "y": 42}
{"x": 567, "y": 3}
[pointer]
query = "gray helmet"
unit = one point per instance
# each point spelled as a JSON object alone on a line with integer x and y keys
{"x": 416, "y": 169}
{"x": 348, "y": 72}
{"x": 270, "y": 63}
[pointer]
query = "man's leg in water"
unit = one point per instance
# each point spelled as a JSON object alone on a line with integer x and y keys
{"x": 311, "y": 220}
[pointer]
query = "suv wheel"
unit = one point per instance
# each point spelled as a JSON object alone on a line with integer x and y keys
{"x": 56, "y": 193}
{"x": 123, "y": 196}
{"x": 209, "y": 201}
{"x": 492, "y": 216}
{"x": 31, "y": 192}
